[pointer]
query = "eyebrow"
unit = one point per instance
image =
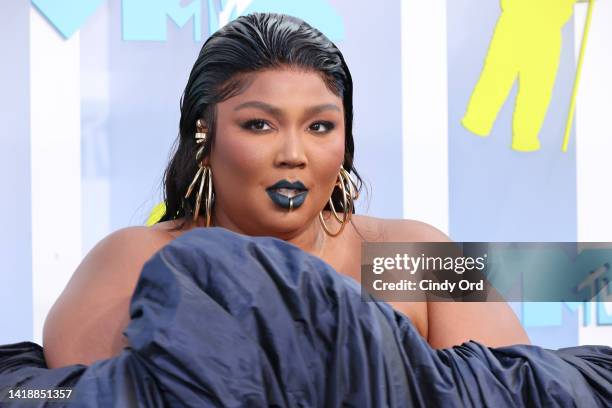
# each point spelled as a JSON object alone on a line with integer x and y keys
{"x": 313, "y": 110}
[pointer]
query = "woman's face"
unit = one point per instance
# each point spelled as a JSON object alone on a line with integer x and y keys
{"x": 287, "y": 125}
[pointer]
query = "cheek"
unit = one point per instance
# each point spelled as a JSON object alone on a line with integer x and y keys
{"x": 238, "y": 155}
{"x": 336, "y": 151}
{"x": 327, "y": 162}
{"x": 333, "y": 151}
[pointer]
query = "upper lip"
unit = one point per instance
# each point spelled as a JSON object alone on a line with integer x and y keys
{"x": 296, "y": 185}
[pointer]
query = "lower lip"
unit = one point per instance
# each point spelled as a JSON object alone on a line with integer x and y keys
{"x": 283, "y": 201}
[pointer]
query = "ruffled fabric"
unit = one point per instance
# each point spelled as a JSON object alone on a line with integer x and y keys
{"x": 221, "y": 319}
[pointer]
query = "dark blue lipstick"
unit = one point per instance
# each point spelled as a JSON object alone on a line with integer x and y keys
{"x": 287, "y": 195}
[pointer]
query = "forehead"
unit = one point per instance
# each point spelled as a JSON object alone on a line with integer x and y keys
{"x": 286, "y": 86}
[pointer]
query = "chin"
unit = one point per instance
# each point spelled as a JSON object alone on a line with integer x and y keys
{"x": 283, "y": 224}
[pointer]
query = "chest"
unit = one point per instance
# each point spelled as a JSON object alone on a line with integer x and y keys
{"x": 347, "y": 261}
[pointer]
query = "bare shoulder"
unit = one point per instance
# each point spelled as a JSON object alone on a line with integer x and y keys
{"x": 398, "y": 230}
{"x": 121, "y": 249}
{"x": 493, "y": 324}
{"x": 87, "y": 320}
{"x": 134, "y": 239}
{"x": 374, "y": 229}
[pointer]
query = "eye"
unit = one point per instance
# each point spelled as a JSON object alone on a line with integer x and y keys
{"x": 257, "y": 125}
{"x": 322, "y": 127}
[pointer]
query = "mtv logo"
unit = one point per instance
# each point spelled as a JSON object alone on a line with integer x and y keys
{"x": 142, "y": 19}
{"x": 147, "y": 20}
{"x": 604, "y": 313}
{"x": 604, "y": 304}
{"x": 67, "y": 16}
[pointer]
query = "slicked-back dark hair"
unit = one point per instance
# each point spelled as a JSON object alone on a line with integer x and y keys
{"x": 245, "y": 45}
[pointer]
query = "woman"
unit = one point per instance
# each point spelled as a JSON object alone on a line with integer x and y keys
{"x": 265, "y": 149}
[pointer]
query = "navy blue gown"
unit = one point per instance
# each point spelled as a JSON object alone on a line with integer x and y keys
{"x": 220, "y": 319}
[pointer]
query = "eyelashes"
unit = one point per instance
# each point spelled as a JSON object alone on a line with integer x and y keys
{"x": 262, "y": 126}
{"x": 327, "y": 127}
{"x": 257, "y": 125}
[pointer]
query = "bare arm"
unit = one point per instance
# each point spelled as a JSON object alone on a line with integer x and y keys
{"x": 86, "y": 322}
{"x": 452, "y": 323}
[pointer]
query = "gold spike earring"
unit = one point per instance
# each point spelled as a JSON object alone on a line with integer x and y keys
{"x": 205, "y": 172}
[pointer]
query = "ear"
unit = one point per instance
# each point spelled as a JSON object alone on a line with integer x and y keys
{"x": 202, "y": 138}
{"x": 201, "y": 126}
{"x": 206, "y": 159}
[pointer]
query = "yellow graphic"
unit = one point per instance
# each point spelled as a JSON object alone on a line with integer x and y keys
{"x": 526, "y": 45}
{"x": 158, "y": 211}
{"x": 585, "y": 36}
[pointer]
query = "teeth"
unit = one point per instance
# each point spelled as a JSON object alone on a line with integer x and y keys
{"x": 289, "y": 192}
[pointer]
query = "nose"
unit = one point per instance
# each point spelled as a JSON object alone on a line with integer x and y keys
{"x": 291, "y": 152}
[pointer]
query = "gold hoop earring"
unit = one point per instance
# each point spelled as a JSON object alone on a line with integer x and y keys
{"x": 350, "y": 193}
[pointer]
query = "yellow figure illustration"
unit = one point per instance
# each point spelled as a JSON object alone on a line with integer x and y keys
{"x": 527, "y": 45}
{"x": 158, "y": 211}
